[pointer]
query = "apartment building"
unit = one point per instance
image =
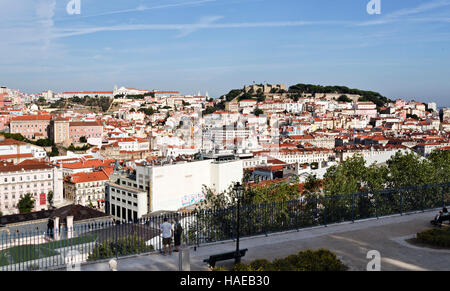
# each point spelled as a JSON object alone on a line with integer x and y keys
{"x": 301, "y": 156}
{"x": 31, "y": 126}
{"x": 31, "y": 176}
{"x": 124, "y": 200}
{"x": 87, "y": 189}
{"x": 174, "y": 186}
{"x": 87, "y": 129}
{"x": 15, "y": 151}
{"x": 59, "y": 130}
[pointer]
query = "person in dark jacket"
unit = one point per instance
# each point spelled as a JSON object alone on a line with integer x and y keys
{"x": 178, "y": 230}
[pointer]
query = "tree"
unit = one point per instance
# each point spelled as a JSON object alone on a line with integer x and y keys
{"x": 346, "y": 178}
{"x": 413, "y": 116}
{"x": 44, "y": 142}
{"x": 1, "y": 213}
{"x": 274, "y": 192}
{"x": 258, "y": 112}
{"x": 83, "y": 139}
{"x": 440, "y": 161}
{"x": 54, "y": 152}
{"x": 409, "y": 170}
{"x": 26, "y": 203}
{"x": 147, "y": 111}
{"x": 209, "y": 110}
{"x": 312, "y": 185}
{"x": 50, "y": 198}
{"x": 344, "y": 98}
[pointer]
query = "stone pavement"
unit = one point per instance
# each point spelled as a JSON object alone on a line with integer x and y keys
{"x": 349, "y": 241}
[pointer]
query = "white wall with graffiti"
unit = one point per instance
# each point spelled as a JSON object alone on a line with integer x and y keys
{"x": 180, "y": 185}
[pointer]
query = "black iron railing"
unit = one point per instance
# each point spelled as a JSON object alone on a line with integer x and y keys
{"x": 61, "y": 248}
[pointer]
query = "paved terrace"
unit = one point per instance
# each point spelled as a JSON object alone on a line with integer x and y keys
{"x": 350, "y": 241}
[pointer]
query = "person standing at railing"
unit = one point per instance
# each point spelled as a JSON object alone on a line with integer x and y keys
{"x": 167, "y": 234}
{"x": 177, "y": 235}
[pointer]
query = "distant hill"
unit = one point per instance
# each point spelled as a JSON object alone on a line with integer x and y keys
{"x": 375, "y": 97}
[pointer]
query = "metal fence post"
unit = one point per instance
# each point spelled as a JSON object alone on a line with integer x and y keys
{"x": 353, "y": 208}
{"x": 198, "y": 243}
{"x": 376, "y": 206}
{"x": 401, "y": 204}
{"x": 443, "y": 197}
{"x": 422, "y": 201}
{"x": 325, "y": 212}
{"x": 265, "y": 219}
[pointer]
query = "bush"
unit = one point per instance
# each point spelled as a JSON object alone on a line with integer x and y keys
{"x": 435, "y": 237}
{"x": 318, "y": 260}
{"x": 124, "y": 246}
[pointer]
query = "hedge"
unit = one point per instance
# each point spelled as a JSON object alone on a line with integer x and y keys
{"x": 309, "y": 260}
{"x": 435, "y": 237}
{"x": 124, "y": 246}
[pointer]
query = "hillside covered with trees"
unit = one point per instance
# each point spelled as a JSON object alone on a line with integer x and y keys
{"x": 375, "y": 97}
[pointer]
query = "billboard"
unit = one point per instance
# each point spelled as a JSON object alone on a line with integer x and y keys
{"x": 42, "y": 199}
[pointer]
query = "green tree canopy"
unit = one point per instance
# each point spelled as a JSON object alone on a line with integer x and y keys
{"x": 26, "y": 203}
{"x": 409, "y": 170}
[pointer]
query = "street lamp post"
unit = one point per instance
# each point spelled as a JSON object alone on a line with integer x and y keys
{"x": 239, "y": 190}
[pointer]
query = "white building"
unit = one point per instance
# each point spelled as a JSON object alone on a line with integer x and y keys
{"x": 86, "y": 189}
{"x": 31, "y": 176}
{"x": 129, "y": 91}
{"x": 172, "y": 187}
{"x": 17, "y": 151}
{"x": 124, "y": 200}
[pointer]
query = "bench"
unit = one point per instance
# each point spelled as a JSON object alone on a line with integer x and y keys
{"x": 223, "y": 257}
{"x": 445, "y": 218}
{"x": 441, "y": 220}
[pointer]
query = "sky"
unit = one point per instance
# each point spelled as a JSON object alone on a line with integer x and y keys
{"x": 219, "y": 45}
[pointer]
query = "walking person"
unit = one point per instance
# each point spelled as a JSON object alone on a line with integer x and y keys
{"x": 167, "y": 233}
{"x": 177, "y": 234}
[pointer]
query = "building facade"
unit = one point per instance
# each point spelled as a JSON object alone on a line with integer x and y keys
{"x": 31, "y": 176}
{"x": 31, "y": 126}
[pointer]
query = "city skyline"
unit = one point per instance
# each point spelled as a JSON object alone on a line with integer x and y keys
{"x": 216, "y": 46}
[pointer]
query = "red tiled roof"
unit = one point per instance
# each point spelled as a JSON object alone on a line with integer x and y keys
{"x": 10, "y": 141}
{"x": 87, "y": 177}
{"x": 89, "y": 92}
{"x": 32, "y": 118}
{"x": 27, "y": 165}
{"x": 16, "y": 156}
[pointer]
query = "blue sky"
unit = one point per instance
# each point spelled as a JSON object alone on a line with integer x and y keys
{"x": 218, "y": 45}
